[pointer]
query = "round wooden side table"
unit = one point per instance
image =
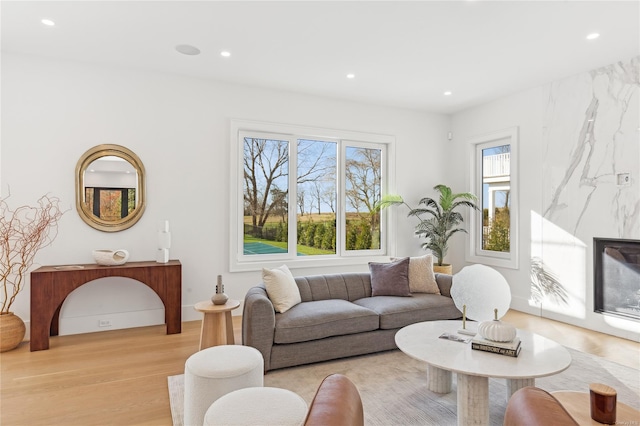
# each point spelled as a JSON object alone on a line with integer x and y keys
{"x": 217, "y": 326}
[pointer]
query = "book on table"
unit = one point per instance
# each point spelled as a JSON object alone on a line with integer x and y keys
{"x": 503, "y": 348}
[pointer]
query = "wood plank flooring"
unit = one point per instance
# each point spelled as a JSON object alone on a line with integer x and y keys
{"x": 120, "y": 377}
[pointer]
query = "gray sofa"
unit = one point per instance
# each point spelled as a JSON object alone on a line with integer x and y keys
{"x": 337, "y": 318}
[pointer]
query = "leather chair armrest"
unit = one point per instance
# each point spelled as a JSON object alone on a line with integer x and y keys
{"x": 337, "y": 402}
{"x": 531, "y": 406}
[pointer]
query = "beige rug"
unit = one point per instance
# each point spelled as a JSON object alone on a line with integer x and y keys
{"x": 393, "y": 387}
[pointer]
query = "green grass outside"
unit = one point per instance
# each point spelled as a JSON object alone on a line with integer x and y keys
{"x": 305, "y": 250}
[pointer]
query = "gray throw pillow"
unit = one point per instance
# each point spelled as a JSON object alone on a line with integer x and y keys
{"x": 390, "y": 279}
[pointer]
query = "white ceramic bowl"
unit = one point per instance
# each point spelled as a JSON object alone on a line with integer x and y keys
{"x": 110, "y": 257}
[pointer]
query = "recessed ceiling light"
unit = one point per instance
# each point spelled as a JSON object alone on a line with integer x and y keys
{"x": 351, "y": 75}
{"x": 187, "y": 49}
{"x": 225, "y": 53}
{"x": 593, "y": 36}
{"x": 448, "y": 93}
{"x": 48, "y": 22}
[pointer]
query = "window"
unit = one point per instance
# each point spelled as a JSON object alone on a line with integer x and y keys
{"x": 493, "y": 237}
{"x": 306, "y": 199}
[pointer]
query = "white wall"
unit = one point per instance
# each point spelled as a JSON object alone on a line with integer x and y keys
{"x": 53, "y": 111}
{"x": 566, "y": 157}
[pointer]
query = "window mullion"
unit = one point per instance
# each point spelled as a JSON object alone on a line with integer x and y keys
{"x": 340, "y": 199}
{"x": 293, "y": 193}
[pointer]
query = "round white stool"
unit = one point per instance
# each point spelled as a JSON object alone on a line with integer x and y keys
{"x": 257, "y": 406}
{"x": 214, "y": 372}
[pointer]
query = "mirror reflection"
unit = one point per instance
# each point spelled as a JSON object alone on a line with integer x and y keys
{"x": 110, "y": 188}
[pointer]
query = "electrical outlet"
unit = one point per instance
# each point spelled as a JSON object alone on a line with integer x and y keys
{"x": 623, "y": 179}
{"x": 104, "y": 323}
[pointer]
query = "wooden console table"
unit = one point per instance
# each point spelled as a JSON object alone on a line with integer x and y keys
{"x": 50, "y": 286}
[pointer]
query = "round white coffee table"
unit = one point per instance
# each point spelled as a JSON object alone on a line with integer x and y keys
{"x": 539, "y": 357}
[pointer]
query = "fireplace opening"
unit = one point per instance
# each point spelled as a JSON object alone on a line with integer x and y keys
{"x": 616, "y": 277}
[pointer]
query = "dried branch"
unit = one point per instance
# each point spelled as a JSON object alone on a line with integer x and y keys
{"x": 23, "y": 232}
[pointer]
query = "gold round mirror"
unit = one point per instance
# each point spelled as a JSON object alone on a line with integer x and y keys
{"x": 110, "y": 193}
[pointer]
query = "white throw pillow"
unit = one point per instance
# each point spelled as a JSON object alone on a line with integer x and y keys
{"x": 421, "y": 276}
{"x": 281, "y": 288}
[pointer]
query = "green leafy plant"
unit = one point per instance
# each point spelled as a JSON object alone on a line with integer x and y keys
{"x": 438, "y": 220}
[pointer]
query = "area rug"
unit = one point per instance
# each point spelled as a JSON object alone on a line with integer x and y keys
{"x": 394, "y": 392}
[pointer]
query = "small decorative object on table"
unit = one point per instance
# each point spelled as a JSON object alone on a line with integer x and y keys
{"x": 111, "y": 257}
{"x": 455, "y": 338}
{"x": 497, "y": 330}
{"x": 497, "y": 337}
{"x": 219, "y": 298}
{"x": 512, "y": 348}
{"x": 603, "y": 403}
{"x": 164, "y": 242}
{"x": 464, "y": 329}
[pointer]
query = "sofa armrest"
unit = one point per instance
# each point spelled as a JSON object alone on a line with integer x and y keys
{"x": 337, "y": 402}
{"x": 259, "y": 323}
{"x": 444, "y": 283}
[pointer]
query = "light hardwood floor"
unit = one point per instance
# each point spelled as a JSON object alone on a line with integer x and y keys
{"x": 120, "y": 377}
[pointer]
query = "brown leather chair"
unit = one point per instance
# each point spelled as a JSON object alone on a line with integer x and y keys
{"x": 531, "y": 406}
{"x": 337, "y": 402}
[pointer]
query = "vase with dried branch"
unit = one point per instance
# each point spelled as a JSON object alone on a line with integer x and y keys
{"x": 23, "y": 232}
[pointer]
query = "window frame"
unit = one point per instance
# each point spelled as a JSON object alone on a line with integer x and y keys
{"x": 240, "y": 128}
{"x": 474, "y": 251}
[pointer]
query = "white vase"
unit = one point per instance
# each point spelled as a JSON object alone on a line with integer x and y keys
{"x": 497, "y": 331}
{"x": 219, "y": 298}
{"x": 110, "y": 257}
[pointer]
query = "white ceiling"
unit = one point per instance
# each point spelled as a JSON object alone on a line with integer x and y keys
{"x": 404, "y": 54}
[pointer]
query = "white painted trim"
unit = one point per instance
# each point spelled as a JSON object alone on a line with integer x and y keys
{"x": 238, "y": 263}
{"x": 472, "y": 252}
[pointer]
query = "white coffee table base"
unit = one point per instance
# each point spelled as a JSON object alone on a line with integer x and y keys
{"x": 516, "y": 384}
{"x": 438, "y": 380}
{"x": 473, "y": 393}
{"x": 473, "y": 400}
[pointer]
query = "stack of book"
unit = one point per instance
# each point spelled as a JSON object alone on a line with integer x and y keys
{"x": 503, "y": 348}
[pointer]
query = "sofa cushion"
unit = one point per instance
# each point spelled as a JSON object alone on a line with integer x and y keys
{"x": 348, "y": 286}
{"x": 281, "y": 288}
{"x": 323, "y": 318}
{"x": 421, "y": 276}
{"x": 390, "y": 279}
{"x": 396, "y": 312}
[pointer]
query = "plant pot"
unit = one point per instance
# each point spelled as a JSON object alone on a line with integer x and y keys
{"x": 443, "y": 269}
{"x": 12, "y": 331}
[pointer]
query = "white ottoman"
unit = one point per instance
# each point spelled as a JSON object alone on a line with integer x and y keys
{"x": 257, "y": 406}
{"x": 214, "y": 372}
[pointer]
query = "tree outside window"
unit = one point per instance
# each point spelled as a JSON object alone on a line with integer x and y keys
{"x": 303, "y": 172}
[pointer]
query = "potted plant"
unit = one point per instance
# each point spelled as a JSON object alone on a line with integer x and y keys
{"x": 440, "y": 220}
{"x": 23, "y": 232}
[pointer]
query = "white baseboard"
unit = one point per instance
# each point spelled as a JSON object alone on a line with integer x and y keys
{"x": 120, "y": 320}
{"x": 592, "y": 321}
